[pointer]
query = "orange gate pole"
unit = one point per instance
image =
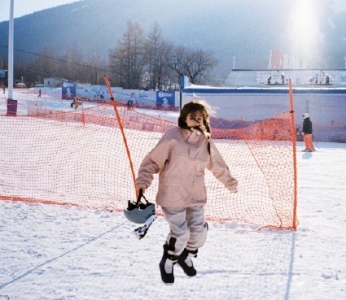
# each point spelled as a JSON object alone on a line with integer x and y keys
{"x": 122, "y": 132}
{"x": 294, "y": 141}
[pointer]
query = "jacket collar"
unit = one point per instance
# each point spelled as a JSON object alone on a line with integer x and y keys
{"x": 191, "y": 136}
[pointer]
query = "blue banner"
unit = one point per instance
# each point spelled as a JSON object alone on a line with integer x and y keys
{"x": 165, "y": 99}
{"x": 68, "y": 89}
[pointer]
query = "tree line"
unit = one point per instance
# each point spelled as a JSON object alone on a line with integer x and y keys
{"x": 138, "y": 61}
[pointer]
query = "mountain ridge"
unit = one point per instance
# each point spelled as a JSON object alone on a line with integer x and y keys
{"x": 226, "y": 28}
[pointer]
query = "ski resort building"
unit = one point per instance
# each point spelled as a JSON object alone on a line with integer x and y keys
{"x": 251, "y": 96}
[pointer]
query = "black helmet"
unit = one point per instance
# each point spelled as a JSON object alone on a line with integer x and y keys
{"x": 139, "y": 212}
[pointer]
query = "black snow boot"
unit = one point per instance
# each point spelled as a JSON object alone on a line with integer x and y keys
{"x": 167, "y": 265}
{"x": 185, "y": 261}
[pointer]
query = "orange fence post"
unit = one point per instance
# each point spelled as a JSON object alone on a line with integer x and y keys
{"x": 294, "y": 141}
{"x": 122, "y": 131}
{"x": 83, "y": 115}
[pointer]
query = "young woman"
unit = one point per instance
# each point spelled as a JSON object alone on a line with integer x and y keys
{"x": 180, "y": 158}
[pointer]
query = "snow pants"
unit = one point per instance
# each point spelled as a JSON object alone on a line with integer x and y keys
{"x": 308, "y": 141}
{"x": 187, "y": 228}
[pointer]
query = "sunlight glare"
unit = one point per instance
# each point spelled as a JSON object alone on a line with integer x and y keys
{"x": 304, "y": 30}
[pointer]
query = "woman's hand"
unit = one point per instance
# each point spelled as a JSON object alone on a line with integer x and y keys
{"x": 138, "y": 188}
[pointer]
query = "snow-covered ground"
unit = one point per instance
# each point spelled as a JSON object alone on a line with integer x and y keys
{"x": 51, "y": 100}
{"x": 57, "y": 252}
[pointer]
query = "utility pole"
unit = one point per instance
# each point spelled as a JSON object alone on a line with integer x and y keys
{"x": 11, "y": 104}
{"x": 181, "y": 77}
{"x": 10, "y": 53}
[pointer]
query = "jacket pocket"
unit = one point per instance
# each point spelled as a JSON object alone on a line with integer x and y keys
{"x": 199, "y": 189}
{"x": 171, "y": 179}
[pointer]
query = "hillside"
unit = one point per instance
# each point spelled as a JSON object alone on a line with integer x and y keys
{"x": 246, "y": 29}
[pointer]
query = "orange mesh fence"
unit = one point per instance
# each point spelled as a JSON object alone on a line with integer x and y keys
{"x": 78, "y": 158}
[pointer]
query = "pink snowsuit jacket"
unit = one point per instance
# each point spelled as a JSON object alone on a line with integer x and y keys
{"x": 180, "y": 158}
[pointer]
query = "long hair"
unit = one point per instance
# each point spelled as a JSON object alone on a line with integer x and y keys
{"x": 192, "y": 108}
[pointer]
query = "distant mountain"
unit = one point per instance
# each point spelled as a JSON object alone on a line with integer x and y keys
{"x": 244, "y": 29}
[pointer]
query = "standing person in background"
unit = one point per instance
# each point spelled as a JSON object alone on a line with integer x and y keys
{"x": 39, "y": 93}
{"x": 131, "y": 101}
{"x": 180, "y": 158}
{"x": 307, "y": 131}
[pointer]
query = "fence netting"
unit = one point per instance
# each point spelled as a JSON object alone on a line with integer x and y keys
{"x": 79, "y": 158}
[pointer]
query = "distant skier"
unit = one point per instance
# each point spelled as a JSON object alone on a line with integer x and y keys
{"x": 307, "y": 131}
{"x": 39, "y": 93}
{"x": 131, "y": 101}
{"x": 130, "y": 104}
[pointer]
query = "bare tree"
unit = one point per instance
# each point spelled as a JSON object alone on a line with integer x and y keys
{"x": 73, "y": 66}
{"x": 194, "y": 64}
{"x": 97, "y": 68}
{"x": 128, "y": 59}
{"x": 70, "y": 65}
{"x": 44, "y": 63}
{"x": 197, "y": 65}
{"x": 3, "y": 63}
{"x": 157, "y": 50}
{"x": 136, "y": 62}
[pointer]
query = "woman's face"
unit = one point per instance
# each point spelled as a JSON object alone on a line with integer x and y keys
{"x": 192, "y": 121}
